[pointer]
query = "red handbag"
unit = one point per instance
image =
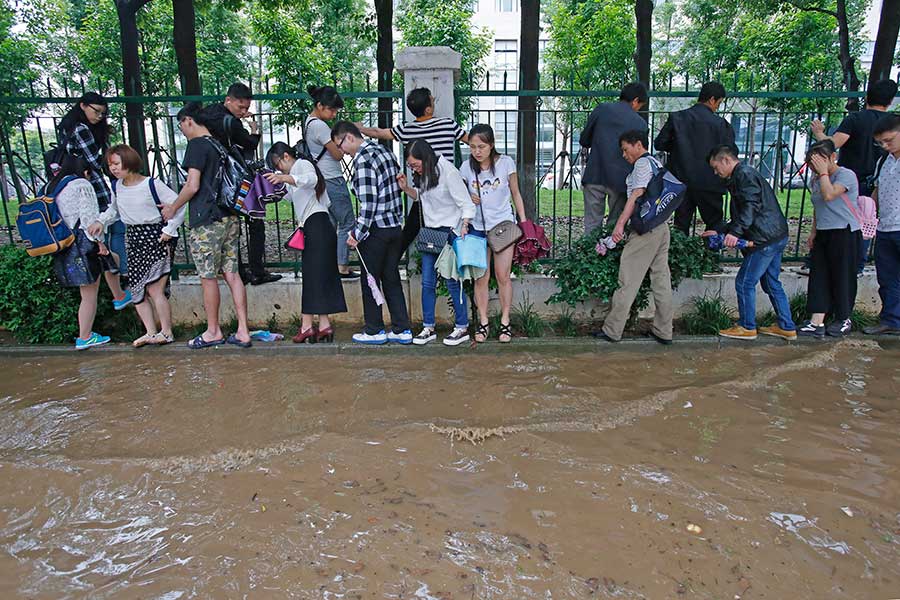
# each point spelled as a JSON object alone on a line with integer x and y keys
{"x": 297, "y": 241}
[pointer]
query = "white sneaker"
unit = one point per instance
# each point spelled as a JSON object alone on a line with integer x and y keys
{"x": 426, "y": 335}
{"x": 457, "y": 337}
{"x": 374, "y": 340}
{"x": 404, "y": 337}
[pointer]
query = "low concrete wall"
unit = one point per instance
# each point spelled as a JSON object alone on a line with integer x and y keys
{"x": 282, "y": 299}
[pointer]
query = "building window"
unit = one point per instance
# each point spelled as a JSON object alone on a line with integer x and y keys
{"x": 507, "y": 5}
{"x": 505, "y": 73}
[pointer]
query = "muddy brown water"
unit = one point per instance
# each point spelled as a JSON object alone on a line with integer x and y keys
{"x": 175, "y": 475}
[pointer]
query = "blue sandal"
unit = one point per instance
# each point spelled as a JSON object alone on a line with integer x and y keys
{"x": 199, "y": 343}
{"x": 233, "y": 340}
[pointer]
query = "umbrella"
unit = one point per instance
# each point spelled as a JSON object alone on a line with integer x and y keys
{"x": 532, "y": 245}
{"x": 376, "y": 291}
{"x": 260, "y": 193}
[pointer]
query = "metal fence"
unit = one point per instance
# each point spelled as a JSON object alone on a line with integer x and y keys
{"x": 771, "y": 134}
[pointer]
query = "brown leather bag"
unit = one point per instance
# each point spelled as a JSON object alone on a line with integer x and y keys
{"x": 500, "y": 236}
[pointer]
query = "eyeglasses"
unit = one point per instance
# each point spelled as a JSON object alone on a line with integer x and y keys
{"x": 341, "y": 143}
{"x": 100, "y": 112}
{"x": 886, "y": 140}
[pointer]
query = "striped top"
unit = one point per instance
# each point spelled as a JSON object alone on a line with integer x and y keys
{"x": 442, "y": 133}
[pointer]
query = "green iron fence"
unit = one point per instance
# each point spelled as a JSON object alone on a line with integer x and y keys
{"x": 771, "y": 128}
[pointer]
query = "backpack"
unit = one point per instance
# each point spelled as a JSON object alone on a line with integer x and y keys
{"x": 232, "y": 181}
{"x": 302, "y": 147}
{"x": 53, "y": 159}
{"x": 41, "y": 226}
{"x": 664, "y": 193}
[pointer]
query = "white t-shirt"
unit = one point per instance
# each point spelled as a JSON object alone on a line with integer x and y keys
{"x": 134, "y": 205}
{"x": 493, "y": 189}
{"x": 318, "y": 133}
{"x": 641, "y": 174}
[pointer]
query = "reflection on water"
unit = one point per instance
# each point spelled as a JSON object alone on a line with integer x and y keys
{"x": 160, "y": 475}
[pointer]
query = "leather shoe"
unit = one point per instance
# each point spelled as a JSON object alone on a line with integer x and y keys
{"x": 264, "y": 278}
{"x": 603, "y": 337}
{"x": 881, "y": 329}
{"x": 661, "y": 340}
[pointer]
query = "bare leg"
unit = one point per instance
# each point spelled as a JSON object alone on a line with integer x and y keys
{"x": 211, "y": 306}
{"x": 306, "y": 322}
{"x": 157, "y": 293}
{"x": 324, "y": 322}
{"x": 239, "y": 296}
{"x": 502, "y": 270}
{"x": 145, "y": 312}
{"x": 115, "y": 284}
{"x": 87, "y": 310}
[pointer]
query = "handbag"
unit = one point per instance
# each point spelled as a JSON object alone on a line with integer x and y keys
{"x": 428, "y": 240}
{"x": 502, "y": 235}
{"x": 471, "y": 251}
{"x": 297, "y": 241}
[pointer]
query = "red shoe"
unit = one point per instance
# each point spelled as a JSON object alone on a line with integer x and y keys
{"x": 308, "y": 336}
{"x": 326, "y": 335}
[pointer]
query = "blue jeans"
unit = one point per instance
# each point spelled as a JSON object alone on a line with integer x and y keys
{"x": 342, "y": 215}
{"x": 887, "y": 267}
{"x": 762, "y": 266}
{"x": 115, "y": 241}
{"x": 429, "y": 292}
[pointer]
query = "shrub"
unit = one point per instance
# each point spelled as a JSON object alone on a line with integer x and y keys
{"x": 525, "y": 320}
{"x": 708, "y": 315}
{"x": 565, "y": 324}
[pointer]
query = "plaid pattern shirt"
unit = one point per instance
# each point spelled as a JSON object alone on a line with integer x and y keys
{"x": 80, "y": 142}
{"x": 375, "y": 185}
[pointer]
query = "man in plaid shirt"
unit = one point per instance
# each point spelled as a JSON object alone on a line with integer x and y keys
{"x": 377, "y": 237}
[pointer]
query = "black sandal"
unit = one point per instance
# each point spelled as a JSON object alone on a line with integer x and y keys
{"x": 484, "y": 331}
{"x": 505, "y": 330}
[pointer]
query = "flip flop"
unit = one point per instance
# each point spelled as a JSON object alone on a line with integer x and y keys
{"x": 198, "y": 343}
{"x": 232, "y": 339}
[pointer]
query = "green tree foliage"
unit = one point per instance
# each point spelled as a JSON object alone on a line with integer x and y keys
{"x": 15, "y": 66}
{"x": 448, "y": 23}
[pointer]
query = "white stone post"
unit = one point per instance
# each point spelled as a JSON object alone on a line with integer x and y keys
{"x": 433, "y": 67}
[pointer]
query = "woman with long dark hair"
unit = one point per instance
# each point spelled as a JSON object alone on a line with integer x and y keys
{"x": 84, "y": 133}
{"x": 447, "y": 207}
{"x": 322, "y": 293}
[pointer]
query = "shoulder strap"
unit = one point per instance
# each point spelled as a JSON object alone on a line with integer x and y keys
{"x": 156, "y": 201}
{"x": 878, "y": 166}
{"x": 227, "y": 120}
{"x": 62, "y": 184}
{"x": 305, "y": 127}
{"x": 853, "y": 210}
{"x": 112, "y": 182}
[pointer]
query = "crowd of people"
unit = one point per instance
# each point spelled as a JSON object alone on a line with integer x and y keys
{"x": 127, "y": 228}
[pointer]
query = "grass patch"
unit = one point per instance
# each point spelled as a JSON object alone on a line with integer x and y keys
{"x": 565, "y": 324}
{"x": 708, "y": 315}
{"x": 526, "y": 321}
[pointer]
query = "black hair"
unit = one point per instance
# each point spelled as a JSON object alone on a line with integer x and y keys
{"x": 239, "y": 91}
{"x": 881, "y": 93}
{"x": 193, "y": 110}
{"x": 712, "y": 90}
{"x": 635, "y": 91}
{"x": 279, "y": 149}
{"x": 486, "y": 133}
{"x": 721, "y": 151}
{"x": 76, "y": 115}
{"x": 326, "y": 95}
{"x": 888, "y": 122}
{"x": 342, "y": 128}
{"x": 71, "y": 165}
{"x": 422, "y": 150}
{"x": 418, "y": 100}
{"x": 824, "y": 148}
{"x": 633, "y": 137}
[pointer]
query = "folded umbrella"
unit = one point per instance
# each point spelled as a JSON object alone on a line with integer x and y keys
{"x": 532, "y": 245}
{"x": 373, "y": 285}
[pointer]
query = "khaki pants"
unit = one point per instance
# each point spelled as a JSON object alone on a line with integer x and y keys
{"x": 642, "y": 253}
{"x": 595, "y": 200}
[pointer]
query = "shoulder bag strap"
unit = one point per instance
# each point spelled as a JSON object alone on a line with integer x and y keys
{"x": 852, "y": 209}
{"x": 480, "y": 200}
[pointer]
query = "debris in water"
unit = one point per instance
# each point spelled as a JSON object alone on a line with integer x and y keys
{"x": 688, "y": 404}
{"x": 695, "y": 529}
{"x": 475, "y": 435}
{"x": 847, "y": 511}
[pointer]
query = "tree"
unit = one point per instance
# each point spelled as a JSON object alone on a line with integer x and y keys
{"x": 15, "y": 74}
{"x": 885, "y": 40}
{"x": 529, "y": 80}
{"x": 643, "y": 18}
{"x": 384, "y": 59}
{"x": 185, "y": 42}
{"x": 127, "y": 11}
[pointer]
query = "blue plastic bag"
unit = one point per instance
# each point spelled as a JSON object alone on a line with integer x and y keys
{"x": 471, "y": 251}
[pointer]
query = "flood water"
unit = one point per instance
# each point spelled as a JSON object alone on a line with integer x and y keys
{"x": 688, "y": 472}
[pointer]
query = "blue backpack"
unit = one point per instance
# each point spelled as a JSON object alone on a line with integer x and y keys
{"x": 663, "y": 195}
{"x": 41, "y": 225}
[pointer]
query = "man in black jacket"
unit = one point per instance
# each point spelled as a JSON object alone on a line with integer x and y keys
{"x": 756, "y": 218}
{"x": 224, "y": 122}
{"x": 688, "y": 135}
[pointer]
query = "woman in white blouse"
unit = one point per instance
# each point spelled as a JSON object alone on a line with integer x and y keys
{"x": 149, "y": 241}
{"x": 446, "y": 206}
{"x": 322, "y": 293}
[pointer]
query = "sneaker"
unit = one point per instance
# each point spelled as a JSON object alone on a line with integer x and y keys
{"x": 95, "y": 339}
{"x": 839, "y": 328}
{"x": 738, "y": 333}
{"x": 351, "y": 276}
{"x": 457, "y": 337}
{"x": 404, "y": 337}
{"x": 804, "y": 270}
{"x": 777, "y": 331}
{"x": 122, "y": 302}
{"x": 809, "y": 329}
{"x": 426, "y": 335}
{"x": 372, "y": 340}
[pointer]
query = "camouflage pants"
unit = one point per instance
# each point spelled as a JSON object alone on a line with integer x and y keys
{"x": 214, "y": 247}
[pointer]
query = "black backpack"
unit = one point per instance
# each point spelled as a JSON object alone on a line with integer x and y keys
{"x": 53, "y": 159}
{"x": 302, "y": 147}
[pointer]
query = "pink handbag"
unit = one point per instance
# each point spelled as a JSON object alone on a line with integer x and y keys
{"x": 297, "y": 241}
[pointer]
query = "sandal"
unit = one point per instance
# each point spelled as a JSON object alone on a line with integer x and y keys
{"x": 234, "y": 341}
{"x": 161, "y": 339}
{"x": 144, "y": 340}
{"x": 198, "y": 343}
{"x": 505, "y": 331}
{"x": 483, "y": 331}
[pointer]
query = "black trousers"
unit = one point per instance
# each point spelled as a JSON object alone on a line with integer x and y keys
{"x": 710, "y": 205}
{"x": 832, "y": 273}
{"x": 381, "y": 251}
{"x": 412, "y": 225}
{"x": 256, "y": 246}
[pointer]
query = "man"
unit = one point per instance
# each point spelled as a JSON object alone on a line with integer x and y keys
{"x": 214, "y": 235}
{"x": 887, "y": 242}
{"x": 756, "y": 217}
{"x": 649, "y": 251}
{"x": 224, "y": 122}
{"x": 855, "y": 141}
{"x": 604, "y": 178}
{"x": 688, "y": 136}
{"x": 377, "y": 236}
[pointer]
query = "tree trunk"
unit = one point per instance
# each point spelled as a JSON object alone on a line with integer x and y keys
{"x": 186, "y": 47}
{"x": 851, "y": 81}
{"x": 384, "y": 59}
{"x": 885, "y": 40}
{"x": 530, "y": 28}
{"x": 643, "y": 13}
{"x": 131, "y": 73}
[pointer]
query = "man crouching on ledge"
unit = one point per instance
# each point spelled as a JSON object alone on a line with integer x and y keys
{"x": 756, "y": 217}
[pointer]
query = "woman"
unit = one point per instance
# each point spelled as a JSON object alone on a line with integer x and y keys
{"x": 79, "y": 265}
{"x": 327, "y": 157}
{"x": 84, "y": 132}
{"x": 446, "y": 205}
{"x": 833, "y": 243}
{"x": 493, "y": 182}
{"x": 322, "y": 293}
{"x": 149, "y": 242}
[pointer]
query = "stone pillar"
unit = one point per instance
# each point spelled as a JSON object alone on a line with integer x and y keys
{"x": 433, "y": 67}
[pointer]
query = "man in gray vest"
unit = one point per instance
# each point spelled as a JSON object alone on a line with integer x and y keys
{"x": 604, "y": 177}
